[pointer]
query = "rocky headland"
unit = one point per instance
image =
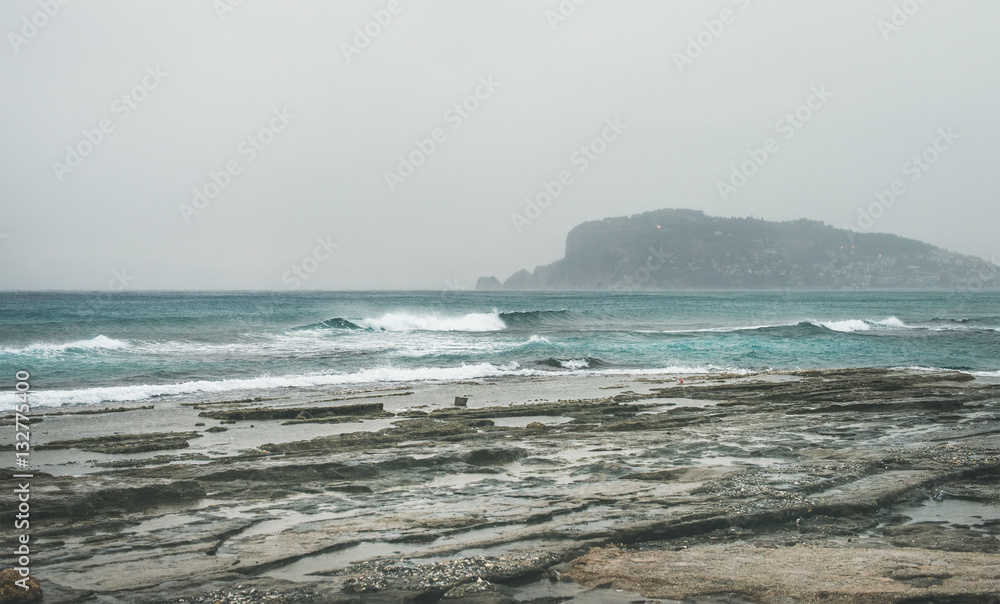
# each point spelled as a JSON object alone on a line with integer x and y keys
{"x": 686, "y": 249}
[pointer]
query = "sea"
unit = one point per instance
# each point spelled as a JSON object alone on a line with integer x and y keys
{"x": 89, "y": 348}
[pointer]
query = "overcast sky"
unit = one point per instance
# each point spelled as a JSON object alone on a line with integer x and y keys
{"x": 303, "y": 119}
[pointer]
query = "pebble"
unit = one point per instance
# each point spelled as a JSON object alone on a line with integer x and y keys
{"x": 379, "y": 575}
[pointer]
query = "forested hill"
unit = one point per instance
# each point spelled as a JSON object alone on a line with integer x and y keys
{"x": 685, "y": 249}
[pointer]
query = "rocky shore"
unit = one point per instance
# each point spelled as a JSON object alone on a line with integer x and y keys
{"x": 862, "y": 485}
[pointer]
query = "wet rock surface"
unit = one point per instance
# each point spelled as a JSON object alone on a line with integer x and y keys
{"x": 726, "y": 481}
{"x": 459, "y": 577}
{"x": 15, "y": 588}
{"x": 127, "y": 443}
{"x": 298, "y": 413}
{"x": 806, "y": 573}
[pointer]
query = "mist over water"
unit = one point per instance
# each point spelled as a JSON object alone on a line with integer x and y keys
{"x": 85, "y": 348}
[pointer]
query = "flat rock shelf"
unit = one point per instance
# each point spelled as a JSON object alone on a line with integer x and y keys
{"x": 858, "y": 485}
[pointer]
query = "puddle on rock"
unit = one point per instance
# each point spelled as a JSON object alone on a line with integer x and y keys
{"x": 545, "y": 590}
{"x": 521, "y": 422}
{"x": 952, "y": 511}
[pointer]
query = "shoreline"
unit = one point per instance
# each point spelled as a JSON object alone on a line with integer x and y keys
{"x": 283, "y": 494}
{"x": 516, "y": 376}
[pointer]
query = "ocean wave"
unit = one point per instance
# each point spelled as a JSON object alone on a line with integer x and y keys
{"x": 534, "y": 340}
{"x": 986, "y": 321}
{"x": 994, "y": 373}
{"x": 676, "y": 370}
{"x": 340, "y": 323}
{"x": 845, "y": 326}
{"x": 725, "y": 329}
{"x": 841, "y": 326}
{"x": 854, "y": 325}
{"x": 402, "y": 321}
{"x": 891, "y": 322}
{"x": 574, "y": 364}
{"x": 472, "y": 322}
{"x": 539, "y": 318}
{"x": 461, "y": 347}
{"x": 970, "y": 328}
{"x": 965, "y": 324}
{"x": 93, "y": 396}
{"x": 95, "y": 343}
{"x": 143, "y": 392}
{"x": 334, "y": 323}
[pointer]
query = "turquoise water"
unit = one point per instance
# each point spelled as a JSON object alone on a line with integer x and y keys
{"x": 86, "y": 348}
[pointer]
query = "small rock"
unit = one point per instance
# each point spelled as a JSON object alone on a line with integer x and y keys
{"x": 11, "y": 592}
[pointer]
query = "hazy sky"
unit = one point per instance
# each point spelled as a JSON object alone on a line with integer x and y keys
{"x": 300, "y": 116}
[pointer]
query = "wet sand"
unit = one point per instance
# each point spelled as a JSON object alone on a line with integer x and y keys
{"x": 853, "y": 485}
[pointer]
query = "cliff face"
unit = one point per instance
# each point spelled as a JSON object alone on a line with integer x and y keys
{"x": 675, "y": 249}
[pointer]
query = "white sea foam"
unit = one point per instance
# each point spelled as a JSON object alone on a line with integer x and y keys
{"x": 921, "y": 368}
{"x": 95, "y": 343}
{"x": 891, "y": 322}
{"x": 674, "y": 370}
{"x": 964, "y": 328}
{"x": 93, "y": 396}
{"x": 843, "y": 326}
{"x": 853, "y": 325}
{"x": 575, "y": 364}
{"x": 427, "y": 322}
{"x": 847, "y": 326}
{"x": 723, "y": 329}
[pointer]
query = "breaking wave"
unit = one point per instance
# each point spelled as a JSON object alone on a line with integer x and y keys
{"x": 143, "y": 392}
{"x": 574, "y": 364}
{"x": 93, "y": 396}
{"x": 853, "y": 325}
{"x": 95, "y": 343}
{"x": 540, "y": 318}
{"x": 404, "y": 321}
{"x": 471, "y": 322}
